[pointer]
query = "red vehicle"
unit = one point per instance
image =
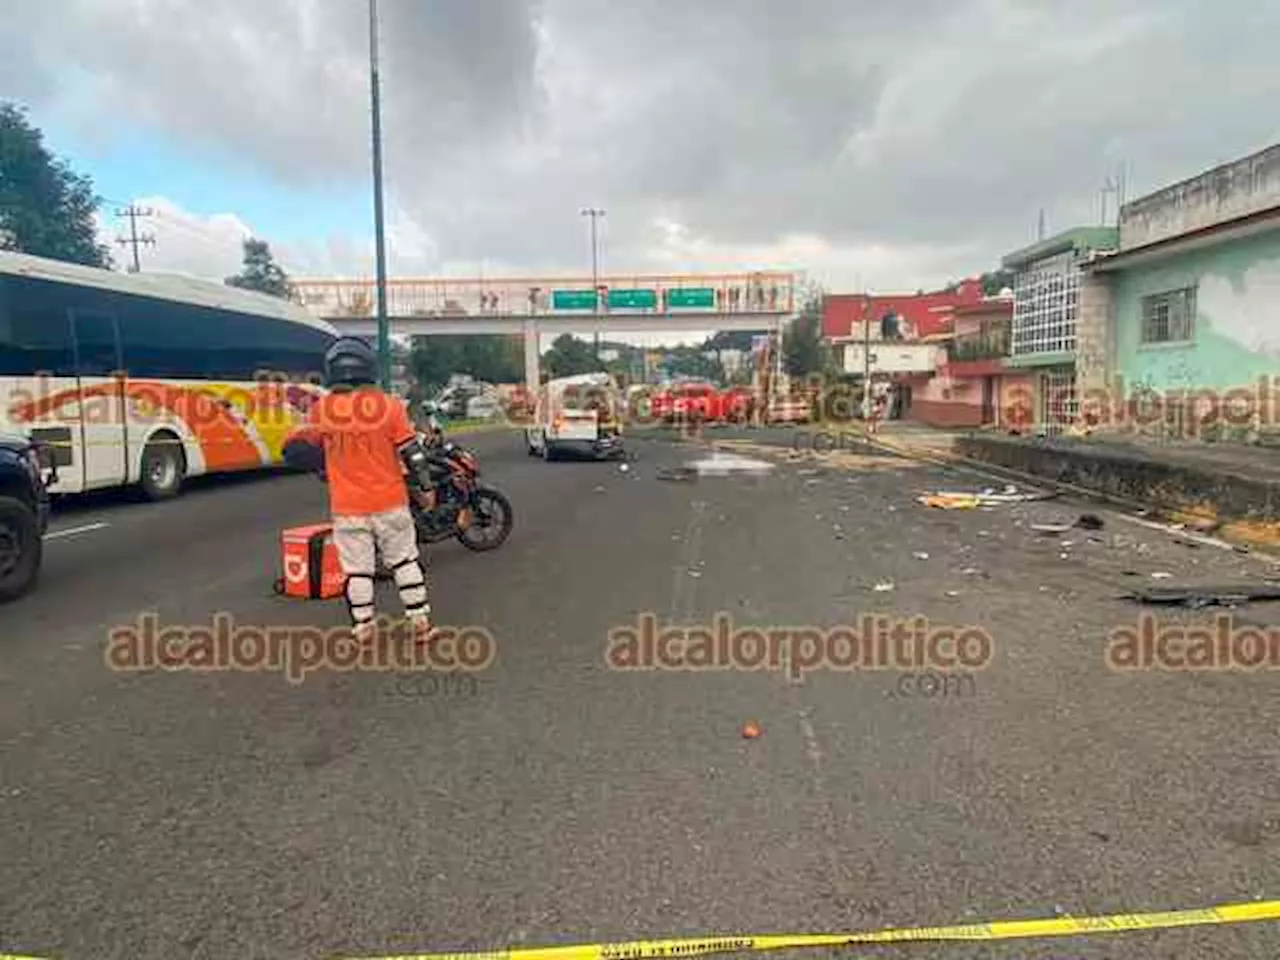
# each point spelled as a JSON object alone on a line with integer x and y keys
{"x": 660, "y": 406}
{"x": 702, "y": 402}
{"x": 737, "y": 404}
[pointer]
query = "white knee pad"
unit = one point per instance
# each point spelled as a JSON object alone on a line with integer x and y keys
{"x": 411, "y": 581}
{"x": 359, "y": 594}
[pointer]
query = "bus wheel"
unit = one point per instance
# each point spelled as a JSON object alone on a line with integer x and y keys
{"x": 162, "y": 469}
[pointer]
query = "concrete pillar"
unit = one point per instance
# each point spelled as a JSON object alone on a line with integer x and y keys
{"x": 1094, "y": 352}
{"x": 532, "y": 374}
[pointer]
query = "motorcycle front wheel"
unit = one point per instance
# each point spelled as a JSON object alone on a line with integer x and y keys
{"x": 491, "y": 521}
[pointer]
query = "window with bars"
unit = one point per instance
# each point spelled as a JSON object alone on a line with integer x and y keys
{"x": 1059, "y": 403}
{"x": 1045, "y": 305}
{"x": 1168, "y": 317}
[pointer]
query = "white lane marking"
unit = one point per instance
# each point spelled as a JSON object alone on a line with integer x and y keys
{"x": 72, "y": 531}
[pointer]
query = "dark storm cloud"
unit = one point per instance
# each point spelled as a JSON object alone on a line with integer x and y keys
{"x": 933, "y": 129}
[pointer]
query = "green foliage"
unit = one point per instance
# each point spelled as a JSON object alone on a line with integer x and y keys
{"x": 569, "y": 357}
{"x": 46, "y": 209}
{"x": 687, "y": 361}
{"x": 996, "y": 280}
{"x": 803, "y": 350}
{"x": 730, "y": 340}
{"x": 493, "y": 359}
{"x": 261, "y": 272}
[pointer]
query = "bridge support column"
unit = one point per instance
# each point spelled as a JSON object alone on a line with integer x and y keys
{"x": 532, "y": 374}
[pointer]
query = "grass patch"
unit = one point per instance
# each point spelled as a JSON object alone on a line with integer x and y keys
{"x": 476, "y": 426}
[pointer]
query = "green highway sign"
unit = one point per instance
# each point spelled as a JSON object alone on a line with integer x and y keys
{"x": 696, "y": 297}
{"x": 633, "y": 299}
{"x": 573, "y": 299}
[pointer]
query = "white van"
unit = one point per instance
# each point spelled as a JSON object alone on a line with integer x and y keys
{"x": 577, "y": 415}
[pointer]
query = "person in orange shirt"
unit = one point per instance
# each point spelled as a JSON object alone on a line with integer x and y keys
{"x": 368, "y": 444}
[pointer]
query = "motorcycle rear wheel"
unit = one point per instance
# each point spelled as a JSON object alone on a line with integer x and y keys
{"x": 491, "y": 522}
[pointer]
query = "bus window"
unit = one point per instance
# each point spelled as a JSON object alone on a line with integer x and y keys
{"x": 35, "y": 331}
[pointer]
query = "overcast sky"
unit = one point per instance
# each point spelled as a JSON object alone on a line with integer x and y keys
{"x": 890, "y": 145}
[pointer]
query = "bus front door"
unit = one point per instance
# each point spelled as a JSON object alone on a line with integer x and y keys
{"x": 101, "y": 382}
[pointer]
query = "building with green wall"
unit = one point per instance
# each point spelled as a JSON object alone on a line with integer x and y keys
{"x": 1185, "y": 317}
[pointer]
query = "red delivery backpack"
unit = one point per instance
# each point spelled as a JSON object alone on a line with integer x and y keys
{"x": 309, "y": 561}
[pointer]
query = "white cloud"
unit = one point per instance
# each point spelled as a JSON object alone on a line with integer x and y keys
{"x": 906, "y": 144}
{"x": 209, "y": 246}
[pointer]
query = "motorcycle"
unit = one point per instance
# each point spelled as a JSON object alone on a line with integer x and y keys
{"x": 453, "y": 505}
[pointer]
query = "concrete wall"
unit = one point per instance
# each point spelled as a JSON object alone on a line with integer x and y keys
{"x": 1236, "y": 336}
{"x": 1224, "y": 193}
{"x": 946, "y": 401}
{"x": 958, "y": 402}
{"x": 1094, "y": 334}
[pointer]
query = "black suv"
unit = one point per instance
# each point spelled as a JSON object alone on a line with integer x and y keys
{"x": 24, "y": 514}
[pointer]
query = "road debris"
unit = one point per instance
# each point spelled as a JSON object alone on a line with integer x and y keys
{"x": 1050, "y": 529}
{"x": 623, "y": 467}
{"x": 724, "y": 464}
{"x": 920, "y": 555}
{"x": 884, "y": 586}
{"x": 678, "y": 474}
{"x": 962, "y": 500}
{"x": 1161, "y": 575}
{"x": 751, "y": 730}
{"x": 1197, "y": 597}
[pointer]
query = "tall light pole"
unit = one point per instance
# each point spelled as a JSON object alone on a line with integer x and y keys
{"x": 595, "y": 213}
{"x": 379, "y": 238}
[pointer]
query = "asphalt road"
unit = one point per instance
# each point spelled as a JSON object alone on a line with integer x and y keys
{"x": 225, "y": 815}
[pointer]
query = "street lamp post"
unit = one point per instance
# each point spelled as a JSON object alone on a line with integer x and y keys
{"x": 379, "y": 238}
{"x": 595, "y": 213}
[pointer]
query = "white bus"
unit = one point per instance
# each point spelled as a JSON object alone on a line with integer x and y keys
{"x": 148, "y": 379}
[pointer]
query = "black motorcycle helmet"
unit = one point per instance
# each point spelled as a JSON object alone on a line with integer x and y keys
{"x": 350, "y": 362}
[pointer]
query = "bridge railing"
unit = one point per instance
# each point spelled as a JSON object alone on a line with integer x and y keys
{"x": 760, "y": 292}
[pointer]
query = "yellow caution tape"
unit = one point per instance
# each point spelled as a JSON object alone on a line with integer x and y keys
{"x": 996, "y": 930}
{"x": 1261, "y": 910}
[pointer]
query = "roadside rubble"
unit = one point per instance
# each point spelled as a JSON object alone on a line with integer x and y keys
{"x": 1212, "y": 596}
{"x": 968, "y": 500}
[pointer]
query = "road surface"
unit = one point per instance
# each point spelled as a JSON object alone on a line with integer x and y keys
{"x": 557, "y": 800}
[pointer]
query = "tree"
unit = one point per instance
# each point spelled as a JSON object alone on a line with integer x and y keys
{"x": 261, "y": 272}
{"x": 569, "y": 357}
{"x": 687, "y": 361}
{"x": 995, "y": 281}
{"x": 46, "y": 209}
{"x": 803, "y": 350}
{"x": 490, "y": 358}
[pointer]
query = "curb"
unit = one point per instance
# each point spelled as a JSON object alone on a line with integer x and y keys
{"x": 1158, "y": 511}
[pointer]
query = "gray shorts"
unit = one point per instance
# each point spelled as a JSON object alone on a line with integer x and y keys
{"x": 361, "y": 540}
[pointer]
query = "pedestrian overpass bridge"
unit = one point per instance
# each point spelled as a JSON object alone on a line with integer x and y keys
{"x": 531, "y": 306}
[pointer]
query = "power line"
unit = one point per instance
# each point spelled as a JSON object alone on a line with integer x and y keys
{"x": 134, "y": 240}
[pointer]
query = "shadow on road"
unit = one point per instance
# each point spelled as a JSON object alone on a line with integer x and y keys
{"x": 71, "y": 505}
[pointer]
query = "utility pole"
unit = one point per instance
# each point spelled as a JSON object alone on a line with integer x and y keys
{"x": 866, "y": 366}
{"x": 133, "y": 240}
{"x": 379, "y": 238}
{"x": 595, "y": 213}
